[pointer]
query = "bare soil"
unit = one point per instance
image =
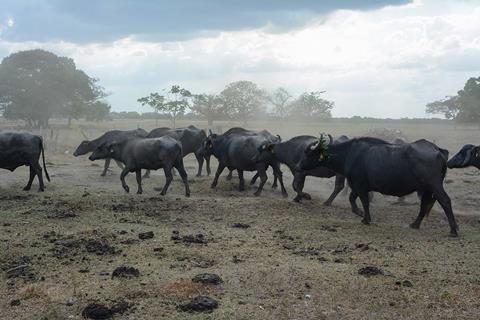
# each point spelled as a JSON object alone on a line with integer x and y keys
{"x": 58, "y": 249}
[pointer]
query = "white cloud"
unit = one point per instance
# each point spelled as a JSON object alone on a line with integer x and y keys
{"x": 385, "y": 63}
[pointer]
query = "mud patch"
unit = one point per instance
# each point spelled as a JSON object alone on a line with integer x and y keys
{"x": 125, "y": 272}
{"x": 199, "y": 304}
{"x": 189, "y": 239}
{"x": 207, "y": 278}
{"x": 369, "y": 271}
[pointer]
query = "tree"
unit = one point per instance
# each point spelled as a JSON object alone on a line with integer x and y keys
{"x": 98, "y": 111}
{"x": 156, "y": 101}
{"x": 311, "y": 105}
{"x": 174, "y": 103}
{"x": 279, "y": 99}
{"x": 209, "y": 105}
{"x": 36, "y": 85}
{"x": 242, "y": 99}
{"x": 464, "y": 107}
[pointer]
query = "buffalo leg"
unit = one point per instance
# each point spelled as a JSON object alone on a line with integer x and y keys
{"x": 426, "y": 205}
{"x": 339, "y": 185}
{"x": 241, "y": 184}
{"x": 200, "y": 164}
{"x": 353, "y": 202}
{"x": 119, "y": 164}
{"x": 168, "y": 179}
{"x": 105, "y": 167}
{"x": 138, "y": 174}
{"x": 263, "y": 180}
{"x": 122, "y": 178}
{"x": 207, "y": 165}
{"x": 33, "y": 173}
{"x": 220, "y": 169}
{"x": 181, "y": 170}
{"x": 275, "y": 178}
{"x": 41, "y": 185}
{"x": 147, "y": 174}
{"x": 254, "y": 179}
{"x": 444, "y": 200}
{"x": 366, "y": 207}
{"x": 229, "y": 176}
{"x": 297, "y": 184}
{"x": 279, "y": 175}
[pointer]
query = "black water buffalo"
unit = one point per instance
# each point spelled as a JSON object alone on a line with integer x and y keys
{"x": 88, "y": 146}
{"x": 371, "y": 164}
{"x": 191, "y": 139}
{"x": 469, "y": 155}
{"x": 237, "y": 130}
{"x": 290, "y": 153}
{"x": 145, "y": 153}
{"x": 237, "y": 149}
{"x": 23, "y": 149}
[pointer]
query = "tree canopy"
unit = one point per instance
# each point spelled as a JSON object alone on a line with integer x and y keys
{"x": 243, "y": 99}
{"x": 174, "y": 103}
{"x": 311, "y": 105}
{"x": 36, "y": 85}
{"x": 464, "y": 107}
{"x": 210, "y": 106}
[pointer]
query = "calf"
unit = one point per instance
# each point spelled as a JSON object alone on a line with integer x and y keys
{"x": 88, "y": 146}
{"x": 371, "y": 164}
{"x": 145, "y": 153}
{"x": 23, "y": 149}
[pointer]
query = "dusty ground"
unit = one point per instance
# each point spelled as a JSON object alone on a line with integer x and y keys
{"x": 295, "y": 261}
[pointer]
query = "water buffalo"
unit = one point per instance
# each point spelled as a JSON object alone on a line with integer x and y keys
{"x": 371, "y": 164}
{"x": 23, "y": 149}
{"x": 290, "y": 153}
{"x": 469, "y": 155}
{"x": 145, "y": 153}
{"x": 237, "y": 130}
{"x": 237, "y": 149}
{"x": 88, "y": 146}
{"x": 191, "y": 139}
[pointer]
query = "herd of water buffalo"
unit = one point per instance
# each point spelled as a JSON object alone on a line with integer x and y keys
{"x": 369, "y": 164}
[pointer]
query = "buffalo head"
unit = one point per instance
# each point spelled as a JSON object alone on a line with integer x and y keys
{"x": 104, "y": 151}
{"x": 315, "y": 154}
{"x": 469, "y": 155}
{"x": 83, "y": 148}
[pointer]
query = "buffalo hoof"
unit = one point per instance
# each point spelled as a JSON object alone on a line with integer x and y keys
{"x": 327, "y": 203}
{"x": 365, "y": 222}
{"x": 187, "y": 195}
{"x": 257, "y": 193}
{"x": 358, "y": 213}
{"x": 454, "y": 234}
{"x": 103, "y": 174}
{"x": 127, "y": 189}
{"x": 198, "y": 175}
{"x": 41, "y": 189}
{"x": 26, "y": 188}
{"x": 139, "y": 192}
{"x": 306, "y": 196}
{"x": 297, "y": 199}
{"x": 213, "y": 186}
{"x": 414, "y": 225}
{"x": 163, "y": 193}
{"x": 274, "y": 186}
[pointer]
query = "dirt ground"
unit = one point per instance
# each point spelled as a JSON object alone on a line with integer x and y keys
{"x": 284, "y": 261}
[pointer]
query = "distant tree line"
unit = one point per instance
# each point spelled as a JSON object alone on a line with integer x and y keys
{"x": 36, "y": 85}
{"x": 240, "y": 100}
{"x": 464, "y": 107}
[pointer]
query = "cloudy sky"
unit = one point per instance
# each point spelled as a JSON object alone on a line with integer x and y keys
{"x": 380, "y": 58}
